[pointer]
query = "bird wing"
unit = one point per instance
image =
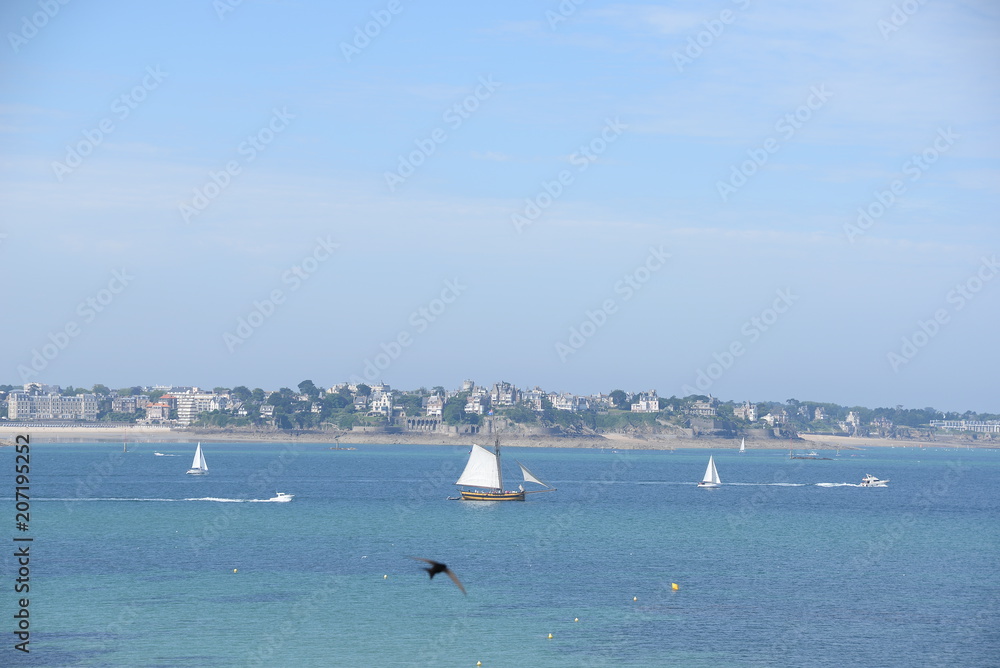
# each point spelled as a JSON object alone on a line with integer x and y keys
{"x": 455, "y": 579}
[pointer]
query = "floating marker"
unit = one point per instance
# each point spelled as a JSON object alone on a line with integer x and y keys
{"x": 385, "y": 577}
{"x": 635, "y": 598}
{"x": 479, "y": 663}
{"x": 550, "y": 636}
{"x": 234, "y": 570}
{"x": 576, "y": 619}
{"x": 674, "y": 586}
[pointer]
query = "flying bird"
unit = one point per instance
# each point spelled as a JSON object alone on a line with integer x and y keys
{"x": 437, "y": 567}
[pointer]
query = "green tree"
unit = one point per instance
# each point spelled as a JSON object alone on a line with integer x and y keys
{"x": 364, "y": 390}
{"x": 100, "y": 389}
{"x": 257, "y": 395}
{"x": 240, "y": 393}
{"x": 309, "y": 388}
{"x": 619, "y": 399}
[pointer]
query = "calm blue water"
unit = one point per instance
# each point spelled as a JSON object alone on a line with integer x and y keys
{"x": 131, "y": 566}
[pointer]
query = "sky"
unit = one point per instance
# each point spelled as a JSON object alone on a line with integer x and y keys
{"x": 760, "y": 201}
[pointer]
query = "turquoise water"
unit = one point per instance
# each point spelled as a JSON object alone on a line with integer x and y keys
{"x": 133, "y": 561}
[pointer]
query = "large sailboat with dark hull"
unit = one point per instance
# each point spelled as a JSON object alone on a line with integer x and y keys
{"x": 484, "y": 474}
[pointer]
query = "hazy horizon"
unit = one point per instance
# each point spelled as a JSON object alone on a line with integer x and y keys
{"x": 581, "y": 197}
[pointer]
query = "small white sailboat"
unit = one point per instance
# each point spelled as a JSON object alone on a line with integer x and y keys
{"x": 198, "y": 466}
{"x": 743, "y": 446}
{"x": 483, "y": 470}
{"x": 711, "y": 478}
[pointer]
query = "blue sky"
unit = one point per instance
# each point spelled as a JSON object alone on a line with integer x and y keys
{"x": 623, "y": 198}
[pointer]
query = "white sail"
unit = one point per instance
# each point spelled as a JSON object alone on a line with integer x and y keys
{"x": 743, "y": 445}
{"x": 711, "y": 474}
{"x": 199, "y": 460}
{"x": 528, "y": 477}
{"x": 482, "y": 470}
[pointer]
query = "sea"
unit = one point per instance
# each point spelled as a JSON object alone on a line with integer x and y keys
{"x": 628, "y": 563}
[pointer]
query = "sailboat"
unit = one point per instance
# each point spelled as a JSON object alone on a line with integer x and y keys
{"x": 743, "y": 446}
{"x": 711, "y": 478}
{"x": 198, "y": 466}
{"x": 484, "y": 471}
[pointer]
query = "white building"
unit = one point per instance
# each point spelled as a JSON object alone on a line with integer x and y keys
{"x": 192, "y": 403}
{"x": 646, "y": 402}
{"x": 747, "y": 411}
{"x": 22, "y": 406}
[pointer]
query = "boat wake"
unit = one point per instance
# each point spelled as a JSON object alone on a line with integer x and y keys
{"x": 204, "y": 498}
{"x": 836, "y": 484}
{"x": 768, "y": 484}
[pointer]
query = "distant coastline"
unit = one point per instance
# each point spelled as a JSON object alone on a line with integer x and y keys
{"x": 139, "y": 435}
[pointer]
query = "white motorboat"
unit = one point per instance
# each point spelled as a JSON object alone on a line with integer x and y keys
{"x": 871, "y": 481}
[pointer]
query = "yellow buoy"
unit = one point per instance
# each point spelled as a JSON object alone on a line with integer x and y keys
{"x": 385, "y": 577}
{"x": 479, "y": 663}
{"x": 576, "y": 619}
{"x": 673, "y": 585}
{"x": 234, "y": 570}
{"x": 550, "y": 636}
{"x": 635, "y": 598}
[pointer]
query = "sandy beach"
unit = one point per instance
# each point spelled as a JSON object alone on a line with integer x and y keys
{"x": 140, "y": 434}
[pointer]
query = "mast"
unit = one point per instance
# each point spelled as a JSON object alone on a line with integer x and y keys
{"x": 496, "y": 448}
